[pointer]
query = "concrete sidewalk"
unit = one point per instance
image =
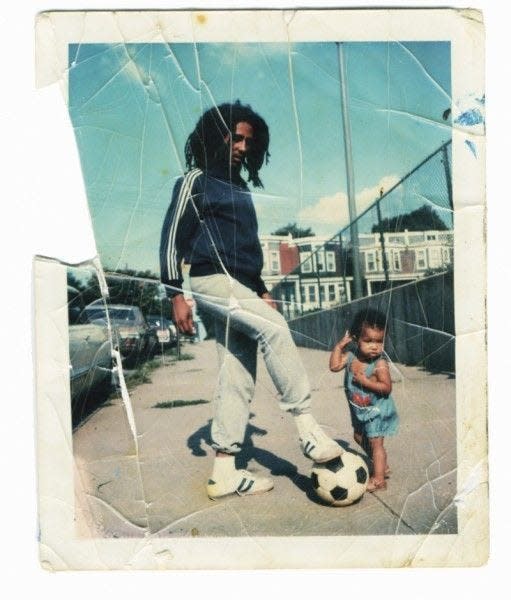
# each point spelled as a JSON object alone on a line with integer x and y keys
{"x": 161, "y": 491}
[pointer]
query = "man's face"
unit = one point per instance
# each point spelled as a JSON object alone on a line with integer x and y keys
{"x": 240, "y": 143}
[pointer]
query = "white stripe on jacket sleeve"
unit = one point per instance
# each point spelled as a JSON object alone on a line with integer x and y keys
{"x": 173, "y": 268}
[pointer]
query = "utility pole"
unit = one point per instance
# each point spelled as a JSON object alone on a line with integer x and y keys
{"x": 350, "y": 176}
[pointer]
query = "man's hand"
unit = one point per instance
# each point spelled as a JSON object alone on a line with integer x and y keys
{"x": 269, "y": 300}
{"x": 182, "y": 314}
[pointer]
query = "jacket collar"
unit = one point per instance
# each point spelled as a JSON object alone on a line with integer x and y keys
{"x": 225, "y": 173}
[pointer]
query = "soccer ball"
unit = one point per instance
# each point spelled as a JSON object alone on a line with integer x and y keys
{"x": 342, "y": 480}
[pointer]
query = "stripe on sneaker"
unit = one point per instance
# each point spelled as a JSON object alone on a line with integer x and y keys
{"x": 250, "y": 484}
{"x": 245, "y": 485}
{"x": 309, "y": 447}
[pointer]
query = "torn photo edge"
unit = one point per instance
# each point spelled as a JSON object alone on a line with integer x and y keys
{"x": 59, "y": 547}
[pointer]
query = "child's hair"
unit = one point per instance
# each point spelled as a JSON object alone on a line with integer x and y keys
{"x": 367, "y": 317}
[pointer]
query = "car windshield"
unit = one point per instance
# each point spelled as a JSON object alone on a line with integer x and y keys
{"x": 118, "y": 315}
{"x": 122, "y": 314}
{"x": 157, "y": 321}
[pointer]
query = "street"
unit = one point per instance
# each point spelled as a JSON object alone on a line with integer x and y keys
{"x": 160, "y": 491}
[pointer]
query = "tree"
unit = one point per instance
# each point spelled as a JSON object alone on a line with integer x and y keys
{"x": 87, "y": 284}
{"x": 127, "y": 286}
{"x": 421, "y": 219}
{"x": 294, "y": 230}
{"x": 74, "y": 282}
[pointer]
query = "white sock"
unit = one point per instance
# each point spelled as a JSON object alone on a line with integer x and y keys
{"x": 305, "y": 423}
{"x": 223, "y": 466}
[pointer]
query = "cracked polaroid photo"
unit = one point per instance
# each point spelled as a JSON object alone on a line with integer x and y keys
{"x": 275, "y": 356}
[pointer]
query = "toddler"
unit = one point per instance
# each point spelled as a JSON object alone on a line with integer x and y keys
{"x": 368, "y": 385}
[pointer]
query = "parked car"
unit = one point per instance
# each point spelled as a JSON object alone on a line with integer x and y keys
{"x": 163, "y": 332}
{"x": 130, "y": 330}
{"x": 90, "y": 355}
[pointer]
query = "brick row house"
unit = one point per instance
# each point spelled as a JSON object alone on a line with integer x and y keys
{"x": 316, "y": 273}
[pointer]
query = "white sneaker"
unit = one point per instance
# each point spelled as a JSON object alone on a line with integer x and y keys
{"x": 317, "y": 446}
{"x": 239, "y": 482}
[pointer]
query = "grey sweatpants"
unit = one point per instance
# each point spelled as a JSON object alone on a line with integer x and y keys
{"x": 243, "y": 321}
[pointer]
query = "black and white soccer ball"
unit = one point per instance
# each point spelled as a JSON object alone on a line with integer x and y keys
{"x": 342, "y": 480}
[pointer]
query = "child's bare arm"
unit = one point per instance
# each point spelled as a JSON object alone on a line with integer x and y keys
{"x": 338, "y": 356}
{"x": 379, "y": 383}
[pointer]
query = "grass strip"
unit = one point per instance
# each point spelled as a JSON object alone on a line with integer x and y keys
{"x": 179, "y": 403}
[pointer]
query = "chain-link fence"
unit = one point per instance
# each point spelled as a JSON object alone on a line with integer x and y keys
{"x": 404, "y": 237}
{"x": 406, "y": 234}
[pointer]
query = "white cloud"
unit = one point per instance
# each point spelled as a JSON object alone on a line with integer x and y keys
{"x": 330, "y": 213}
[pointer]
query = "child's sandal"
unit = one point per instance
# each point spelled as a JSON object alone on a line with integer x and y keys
{"x": 374, "y": 486}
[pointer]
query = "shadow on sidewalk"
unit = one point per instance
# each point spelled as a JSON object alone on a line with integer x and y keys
{"x": 276, "y": 465}
{"x": 203, "y": 435}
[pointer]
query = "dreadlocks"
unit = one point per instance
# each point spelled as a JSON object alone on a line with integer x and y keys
{"x": 206, "y": 144}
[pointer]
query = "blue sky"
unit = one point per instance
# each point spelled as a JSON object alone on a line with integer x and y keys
{"x": 133, "y": 106}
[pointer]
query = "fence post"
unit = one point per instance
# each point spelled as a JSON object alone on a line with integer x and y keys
{"x": 300, "y": 289}
{"x": 382, "y": 241}
{"x": 447, "y": 169}
{"x": 318, "y": 277}
{"x": 343, "y": 269}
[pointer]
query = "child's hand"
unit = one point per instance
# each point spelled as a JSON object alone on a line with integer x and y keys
{"x": 359, "y": 374}
{"x": 345, "y": 340}
{"x": 359, "y": 378}
{"x": 338, "y": 357}
{"x": 379, "y": 382}
{"x": 357, "y": 369}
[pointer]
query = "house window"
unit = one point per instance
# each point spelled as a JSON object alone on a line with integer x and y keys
{"x": 330, "y": 262}
{"x": 274, "y": 261}
{"x": 306, "y": 262}
{"x": 322, "y": 293}
{"x": 320, "y": 261}
{"x": 431, "y": 236}
{"x": 416, "y": 238}
{"x": 331, "y": 292}
{"x": 396, "y": 239}
{"x": 370, "y": 261}
{"x": 435, "y": 259}
{"x": 312, "y": 293}
{"x": 420, "y": 259}
{"x": 396, "y": 262}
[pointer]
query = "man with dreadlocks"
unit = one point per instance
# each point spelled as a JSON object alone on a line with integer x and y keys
{"x": 211, "y": 222}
